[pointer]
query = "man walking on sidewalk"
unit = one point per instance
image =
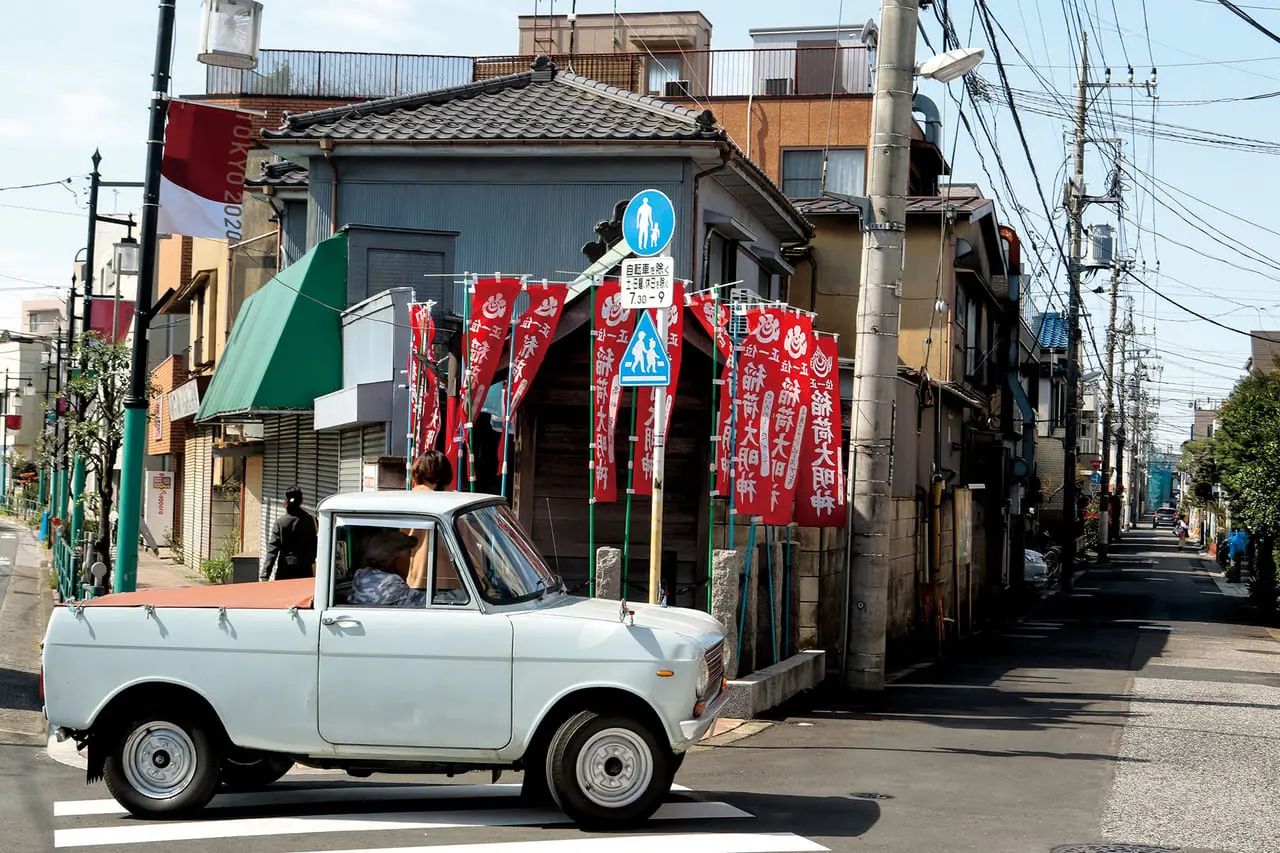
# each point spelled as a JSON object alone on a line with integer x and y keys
{"x": 292, "y": 552}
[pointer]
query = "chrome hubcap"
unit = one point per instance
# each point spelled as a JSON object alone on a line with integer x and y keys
{"x": 159, "y": 760}
{"x": 615, "y": 768}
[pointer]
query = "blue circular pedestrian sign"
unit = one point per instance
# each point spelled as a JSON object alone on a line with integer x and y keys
{"x": 649, "y": 222}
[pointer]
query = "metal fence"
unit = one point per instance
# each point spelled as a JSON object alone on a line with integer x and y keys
{"x": 691, "y": 74}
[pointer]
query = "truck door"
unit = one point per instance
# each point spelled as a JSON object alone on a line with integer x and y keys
{"x": 399, "y": 666}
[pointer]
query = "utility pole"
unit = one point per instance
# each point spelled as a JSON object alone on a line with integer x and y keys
{"x": 874, "y": 391}
{"x": 1125, "y": 424}
{"x": 134, "y": 446}
{"x": 1108, "y": 413}
{"x": 1075, "y": 214}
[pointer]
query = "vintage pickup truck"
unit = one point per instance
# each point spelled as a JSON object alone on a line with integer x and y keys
{"x": 491, "y": 665}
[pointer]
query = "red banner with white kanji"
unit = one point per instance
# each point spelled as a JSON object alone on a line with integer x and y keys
{"x": 424, "y": 385}
{"x": 820, "y": 491}
{"x": 772, "y": 410}
{"x": 714, "y": 317}
{"x": 612, "y": 330}
{"x": 533, "y": 334}
{"x": 487, "y": 330}
{"x": 643, "y": 482}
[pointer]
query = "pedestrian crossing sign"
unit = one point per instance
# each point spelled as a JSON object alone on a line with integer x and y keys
{"x": 645, "y": 364}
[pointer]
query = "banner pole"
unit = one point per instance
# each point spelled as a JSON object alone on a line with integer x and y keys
{"x": 746, "y": 586}
{"x": 732, "y": 458}
{"x": 506, "y": 396}
{"x": 411, "y": 430}
{"x": 591, "y": 445}
{"x": 773, "y": 611}
{"x": 631, "y": 478}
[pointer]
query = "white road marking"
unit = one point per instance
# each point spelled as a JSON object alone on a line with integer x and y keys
{"x": 1026, "y": 636}
{"x": 356, "y": 794}
{"x": 1079, "y": 595}
{"x": 143, "y": 833}
{"x": 711, "y": 842}
{"x": 8, "y": 536}
{"x": 1160, "y": 580}
{"x": 1089, "y": 589}
{"x": 1155, "y": 628}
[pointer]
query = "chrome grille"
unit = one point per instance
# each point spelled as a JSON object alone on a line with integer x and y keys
{"x": 715, "y": 669}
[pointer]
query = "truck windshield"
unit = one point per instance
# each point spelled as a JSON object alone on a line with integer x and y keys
{"x": 505, "y": 564}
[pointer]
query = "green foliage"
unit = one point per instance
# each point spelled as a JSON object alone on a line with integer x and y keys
{"x": 220, "y": 567}
{"x": 1247, "y": 451}
{"x": 1199, "y": 461}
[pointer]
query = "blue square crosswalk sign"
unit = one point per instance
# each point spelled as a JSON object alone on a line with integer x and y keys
{"x": 645, "y": 363}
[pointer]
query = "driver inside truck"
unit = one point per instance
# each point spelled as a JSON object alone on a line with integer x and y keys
{"x": 380, "y": 582}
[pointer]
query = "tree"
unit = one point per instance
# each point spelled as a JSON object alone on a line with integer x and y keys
{"x": 1247, "y": 450}
{"x": 97, "y": 429}
{"x": 1199, "y": 461}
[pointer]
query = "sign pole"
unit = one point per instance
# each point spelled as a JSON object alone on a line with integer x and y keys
{"x": 659, "y": 456}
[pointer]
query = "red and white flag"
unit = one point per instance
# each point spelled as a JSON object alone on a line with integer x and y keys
{"x": 206, "y": 152}
{"x": 492, "y": 302}
{"x": 643, "y": 482}
{"x": 613, "y": 326}
{"x": 820, "y": 491}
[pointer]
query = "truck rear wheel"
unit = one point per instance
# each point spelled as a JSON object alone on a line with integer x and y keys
{"x": 608, "y": 770}
{"x": 162, "y": 765}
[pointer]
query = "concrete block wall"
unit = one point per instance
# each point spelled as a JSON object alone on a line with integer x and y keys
{"x": 908, "y": 551}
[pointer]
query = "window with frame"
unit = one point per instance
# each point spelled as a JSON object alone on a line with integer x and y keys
{"x": 379, "y": 564}
{"x": 802, "y": 171}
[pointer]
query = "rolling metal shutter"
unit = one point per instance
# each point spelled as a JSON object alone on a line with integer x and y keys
{"x": 356, "y": 444}
{"x": 197, "y": 480}
{"x": 296, "y": 455}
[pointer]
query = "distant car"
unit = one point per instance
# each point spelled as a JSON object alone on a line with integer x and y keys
{"x": 1041, "y": 569}
{"x": 1165, "y": 515}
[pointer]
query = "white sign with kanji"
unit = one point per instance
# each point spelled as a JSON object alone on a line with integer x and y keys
{"x": 648, "y": 282}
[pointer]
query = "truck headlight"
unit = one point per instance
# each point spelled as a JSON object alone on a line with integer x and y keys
{"x": 704, "y": 678}
{"x": 726, "y": 654}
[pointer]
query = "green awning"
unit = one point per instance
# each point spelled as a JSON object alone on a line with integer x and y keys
{"x": 286, "y": 344}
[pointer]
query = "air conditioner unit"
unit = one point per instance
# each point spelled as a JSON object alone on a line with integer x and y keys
{"x": 777, "y": 86}
{"x": 676, "y": 89}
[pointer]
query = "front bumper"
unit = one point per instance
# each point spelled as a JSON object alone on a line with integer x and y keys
{"x": 693, "y": 730}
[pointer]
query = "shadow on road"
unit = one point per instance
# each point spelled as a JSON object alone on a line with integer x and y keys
{"x": 19, "y": 691}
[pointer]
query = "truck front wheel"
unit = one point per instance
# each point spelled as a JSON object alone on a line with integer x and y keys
{"x": 608, "y": 770}
{"x": 162, "y": 765}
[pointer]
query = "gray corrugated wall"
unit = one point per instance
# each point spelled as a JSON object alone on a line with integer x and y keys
{"x": 293, "y": 236}
{"x": 515, "y": 215}
{"x": 296, "y": 455}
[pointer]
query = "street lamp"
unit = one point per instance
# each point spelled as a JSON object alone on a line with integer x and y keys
{"x": 229, "y": 38}
{"x": 29, "y": 390}
{"x": 126, "y": 257}
{"x": 229, "y": 31}
{"x": 946, "y": 67}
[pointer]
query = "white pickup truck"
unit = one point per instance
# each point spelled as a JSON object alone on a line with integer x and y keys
{"x": 488, "y": 665}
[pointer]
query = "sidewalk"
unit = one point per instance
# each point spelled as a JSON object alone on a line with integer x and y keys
{"x": 163, "y": 573}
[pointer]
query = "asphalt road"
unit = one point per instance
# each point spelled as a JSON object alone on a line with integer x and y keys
{"x": 1144, "y": 710}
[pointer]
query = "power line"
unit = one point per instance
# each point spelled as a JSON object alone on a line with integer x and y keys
{"x": 1249, "y": 19}
{"x": 1210, "y": 320}
{"x": 60, "y": 182}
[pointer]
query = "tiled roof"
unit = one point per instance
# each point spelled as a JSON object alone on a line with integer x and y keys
{"x": 283, "y": 174}
{"x": 1052, "y": 331}
{"x": 544, "y": 103}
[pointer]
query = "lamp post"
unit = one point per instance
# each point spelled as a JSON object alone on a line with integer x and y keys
{"x": 876, "y": 374}
{"x": 229, "y": 38}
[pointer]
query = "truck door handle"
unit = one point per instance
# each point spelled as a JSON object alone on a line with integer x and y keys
{"x": 339, "y": 620}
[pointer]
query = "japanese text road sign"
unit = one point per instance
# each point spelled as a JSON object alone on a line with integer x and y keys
{"x": 645, "y": 363}
{"x": 648, "y": 283}
{"x": 649, "y": 222}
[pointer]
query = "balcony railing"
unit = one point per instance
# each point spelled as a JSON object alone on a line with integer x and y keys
{"x": 695, "y": 74}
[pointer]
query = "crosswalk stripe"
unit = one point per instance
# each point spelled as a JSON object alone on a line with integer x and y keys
{"x": 709, "y": 842}
{"x": 143, "y": 833}
{"x": 356, "y": 794}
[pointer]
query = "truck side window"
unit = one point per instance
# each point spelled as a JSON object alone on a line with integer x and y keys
{"x": 381, "y": 564}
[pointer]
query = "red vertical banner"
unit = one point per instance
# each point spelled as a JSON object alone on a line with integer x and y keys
{"x": 820, "y": 491}
{"x": 613, "y": 325}
{"x": 714, "y": 317}
{"x": 789, "y": 381}
{"x": 424, "y": 387}
{"x": 491, "y": 307}
{"x": 643, "y": 483}
{"x": 529, "y": 347}
{"x": 772, "y": 409}
{"x": 533, "y": 336}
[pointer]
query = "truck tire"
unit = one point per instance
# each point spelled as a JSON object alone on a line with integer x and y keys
{"x": 608, "y": 770}
{"x": 162, "y": 765}
{"x": 247, "y": 770}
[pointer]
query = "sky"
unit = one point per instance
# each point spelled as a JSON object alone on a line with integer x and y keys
{"x": 78, "y": 72}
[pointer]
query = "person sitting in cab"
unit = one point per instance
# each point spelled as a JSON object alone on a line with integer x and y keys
{"x": 381, "y": 583}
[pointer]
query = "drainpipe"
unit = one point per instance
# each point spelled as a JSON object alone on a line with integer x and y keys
{"x": 326, "y": 145}
{"x": 268, "y": 192}
{"x": 932, "y": 118}
{"x": 706, "y": 243}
